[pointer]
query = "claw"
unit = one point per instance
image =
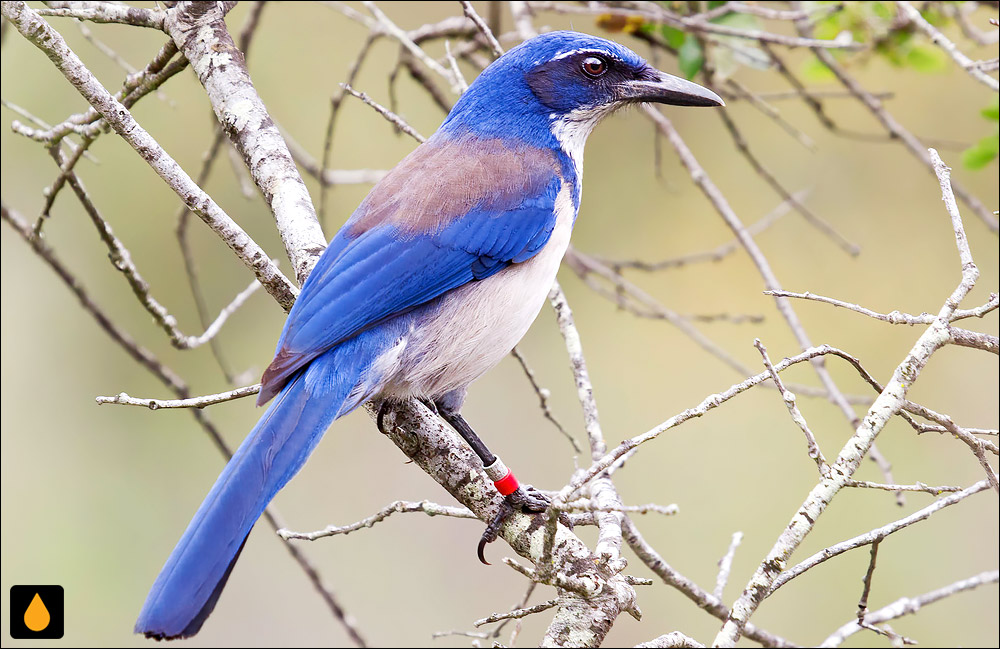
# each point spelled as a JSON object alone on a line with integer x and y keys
{"x": 492, "y": 530}
{"x": 479, "y": 551}
{"x": 526, "y": 499}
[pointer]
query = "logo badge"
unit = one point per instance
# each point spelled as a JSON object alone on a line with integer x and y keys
{"x": 36, "y": 612}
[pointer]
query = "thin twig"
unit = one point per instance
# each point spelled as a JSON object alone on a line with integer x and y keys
{"x": 175, "y": 384}
{"x": 543, "y": 397}
{"x": 40, "y": 34}
{"x": 897, "y": 130}
{"x": 894, "y": 317}
{"x": 481, "y": 25}
{"x": 702, "y": 598}
{"x": 400, "y": 35}
{"x": 397, "y": 507}
{"x": 722, "y": 206}
{"x": 123, "y": 399}
{"x": 813, "y": 448}
{"x": 398, "y": 121}
{"x": 517, "y": 614}
{"x": 863, "y": 602}
{"x": 726, "y": 566}
{"x": 602, "y": 489}
{"x": 909, "y": 606}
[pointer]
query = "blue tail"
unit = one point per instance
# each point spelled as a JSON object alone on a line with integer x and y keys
{"x": 192, "y": 579}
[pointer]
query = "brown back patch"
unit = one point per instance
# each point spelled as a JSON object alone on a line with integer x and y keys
{"x": 444, "y": 179}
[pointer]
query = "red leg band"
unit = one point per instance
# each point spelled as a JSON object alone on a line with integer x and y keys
{"x": 507, "y": 484}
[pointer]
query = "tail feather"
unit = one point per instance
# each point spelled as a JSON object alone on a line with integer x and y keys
{"x": 333, "y": 384}
{"x": 194, "y": 626}
{"x": 192, "y": 579}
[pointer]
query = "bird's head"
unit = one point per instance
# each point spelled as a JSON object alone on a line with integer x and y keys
{"x": 553, "y": 89}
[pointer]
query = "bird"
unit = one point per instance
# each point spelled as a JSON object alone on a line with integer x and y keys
{"x": 431, "y": 282}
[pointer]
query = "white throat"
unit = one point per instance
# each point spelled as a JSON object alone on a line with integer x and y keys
{"x": 572, "y": 129}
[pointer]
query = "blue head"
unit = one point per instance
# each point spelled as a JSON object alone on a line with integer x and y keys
{"x": 553, "y": 89}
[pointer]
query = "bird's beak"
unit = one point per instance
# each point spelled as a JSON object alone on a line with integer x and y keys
{"x": 664, "y": 88}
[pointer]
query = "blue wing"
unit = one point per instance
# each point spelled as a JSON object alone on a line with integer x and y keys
{"x": 393, "y": 266}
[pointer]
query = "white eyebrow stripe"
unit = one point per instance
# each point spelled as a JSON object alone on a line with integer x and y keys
{"x": 581, "y": 51}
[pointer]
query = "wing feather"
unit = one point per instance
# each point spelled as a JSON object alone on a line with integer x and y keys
{"x": 375, "y": 269}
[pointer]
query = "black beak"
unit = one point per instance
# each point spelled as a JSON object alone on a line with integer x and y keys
{"x": 664, "y": 88}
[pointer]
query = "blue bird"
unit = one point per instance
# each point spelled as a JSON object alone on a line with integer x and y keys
{"x": 430, "y": 283}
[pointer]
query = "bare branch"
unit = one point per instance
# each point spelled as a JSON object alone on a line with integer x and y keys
{"x": 470, "y": 13}
{"x": 517, "y": 614}
{"x": 123, "y": 399}
{"x": 106, "y": 12}
{"x": 543, "y": 397}
{"x": 814, "y": 452}
{"x": 656, "y": 14}
{"x": 122, "y": 260}
{"x": 863, "y": 602}
{"x": 199, "y": 30}
{"x": 896, "y": 129}
{"x": 722, "y": 206}
{"x": 400, "y": 35}
{"x": 908, "y": 606}
{"x": 140, "y": 354}
{"x": 330, "y": 177}
{"x": 974, "y": 339}
{"x": 441, "y": 453}
{"x": 397, "y": 507}
{"x": 399, "y": 122}
{"x": 715, "y": 255}
{"x": 602, "y": 489}
{"x": 936, "y": 491}
{"x": 703, "y": 599}
{"x": 726, "y": 566}
{"x": 889, "y": 402}
{"x": 38, "y": 32}
{"x": 177, "y": 385}
{"x": 893, "y": 317}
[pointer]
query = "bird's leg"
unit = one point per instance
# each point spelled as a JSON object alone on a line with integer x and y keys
{"x": 516, "y": 496}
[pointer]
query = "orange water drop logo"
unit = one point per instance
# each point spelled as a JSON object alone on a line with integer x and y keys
{"x": 36, "y": 617}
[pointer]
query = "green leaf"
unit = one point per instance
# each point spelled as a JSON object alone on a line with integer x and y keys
{"x": 828, "y": 28}
{"x": 924, "y": 58}
{"x": 895, "y": 48}
{"x": 674, "y": 37}
{"x": 690, "y": 58}
{"x": 992, "y": 112}
{"x": 880, "y": 10}
{"x": 815, "y": 70}
{"x": 982, "y": 153}
{"x": 934, "y": 17}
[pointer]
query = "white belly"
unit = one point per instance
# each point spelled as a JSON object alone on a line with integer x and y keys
{"x": 474, "y": 326}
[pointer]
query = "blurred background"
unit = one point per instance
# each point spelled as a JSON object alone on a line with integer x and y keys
{"x": 94, "y": 497}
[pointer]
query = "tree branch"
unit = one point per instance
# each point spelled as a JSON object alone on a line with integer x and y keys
{"x": 199, "y": 30}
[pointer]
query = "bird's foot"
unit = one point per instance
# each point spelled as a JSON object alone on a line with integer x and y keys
{"x": 526, "y": 499}
{"x": 529, "y": 500}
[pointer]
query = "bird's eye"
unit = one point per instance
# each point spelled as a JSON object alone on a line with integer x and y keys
{"x": 594, "y": 67}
